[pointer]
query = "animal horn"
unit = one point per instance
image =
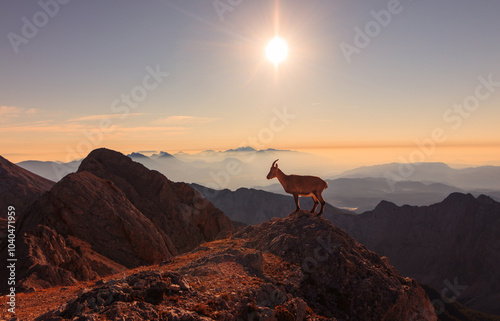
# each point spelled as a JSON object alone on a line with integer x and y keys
{"x": 275, "y": 162}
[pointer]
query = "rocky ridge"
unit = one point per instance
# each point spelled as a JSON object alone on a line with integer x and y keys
{"x": 111, "y": 215}
{"x": 297, "y": 268}
{"x": 453, "y": 245}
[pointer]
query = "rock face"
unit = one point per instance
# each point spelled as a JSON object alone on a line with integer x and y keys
{"x": 18, "y": 188}
{"x": 297, "y": 268}
{"x": 342, "y": 278}
{"x": 135, "y": 297}
{"x": 453, "y": 245}
{"x": 175, "y": 208}
{"x": 110, "y": 215}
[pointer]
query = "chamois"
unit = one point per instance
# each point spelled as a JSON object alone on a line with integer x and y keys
{"x": 300, "y": 186}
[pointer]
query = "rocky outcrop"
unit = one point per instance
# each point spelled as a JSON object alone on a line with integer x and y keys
{"x": 94, "y": 213}
{"x": 342, "y": 278}
{"x": 111, "y": 215}
{"x": 453, "y": 245}
{"x": 175, "y": 208}
{"x": 51, "y": 259}
{"x": 135, "y": 297}
{"x": 297, "y": 268}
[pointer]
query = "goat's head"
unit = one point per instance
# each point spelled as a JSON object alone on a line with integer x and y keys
{"x": 273, "y": 171}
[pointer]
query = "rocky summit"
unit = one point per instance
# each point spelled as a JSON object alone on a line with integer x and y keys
{"x": 113, "y": 214}
{"x": 296, "y": 268}
{"x": 176, "y": 209}
{"x": 341, "y": 278}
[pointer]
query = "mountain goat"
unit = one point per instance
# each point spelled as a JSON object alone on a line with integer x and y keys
{"x": 300, "y": 186}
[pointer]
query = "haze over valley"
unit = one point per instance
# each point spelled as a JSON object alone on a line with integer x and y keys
{"x": 358, "y": 189}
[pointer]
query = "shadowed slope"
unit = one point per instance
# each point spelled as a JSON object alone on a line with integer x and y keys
{"x": 110, "y": 215}
{"x": 175, "y": 208}
{"x": 18, "y": 188}
{"x": 456, "y": 240}
{"x": 267, "y": 272}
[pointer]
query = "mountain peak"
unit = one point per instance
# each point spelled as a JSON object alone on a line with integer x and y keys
{"x": 112, "y": 213}
{"x": 455, "y": 198}
{"x": 159, "y": 198}
{"x": 242, "y": 149}
{"x": 137, "y": 155}
{"x": 335, "y": 266}
{"x": 165, "y": 155}
{"x": 385, "y": 206}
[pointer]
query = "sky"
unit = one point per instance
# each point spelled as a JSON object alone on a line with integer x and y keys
{"x": 365, "y": 82}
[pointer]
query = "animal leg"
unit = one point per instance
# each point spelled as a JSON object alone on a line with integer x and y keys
{"x": 316, "y": 202}
{"x": 320, "y": 197}
{"x": 296, "y": 198}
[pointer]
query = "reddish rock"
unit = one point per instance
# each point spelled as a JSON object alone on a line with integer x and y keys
{"x": 90, "y": 213}
{"x": 227, "y": 280}
{"x": 110, "y": 215}
{"x": 175, "y": 208}
{"x": 341, "y": 278}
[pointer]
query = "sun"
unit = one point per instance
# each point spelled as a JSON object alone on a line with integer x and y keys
{"x": 276, "y": 50}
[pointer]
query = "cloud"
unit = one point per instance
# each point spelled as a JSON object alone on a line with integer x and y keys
{"x": 170, "y": 120}
{"x": 103, "y": 116}
{"x": 41, "y": 127}
{"x": 148, "y": 129}
{"x": 9, "y": 112}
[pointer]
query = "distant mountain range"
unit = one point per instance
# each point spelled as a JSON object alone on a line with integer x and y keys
{"x": 233, "y": 168}
{"x": 359, "y": 189}
{"x": 252, "y": 206}
{"x": 53, "y": 171}
{"x": 363, "y": 194}
{"x": 470, "y": 178}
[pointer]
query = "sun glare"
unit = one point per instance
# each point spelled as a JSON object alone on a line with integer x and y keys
{"x": 276, "y": 50}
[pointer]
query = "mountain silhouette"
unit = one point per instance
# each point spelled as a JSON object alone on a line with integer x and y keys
{"x": 110, "y": 215}
{"x": 454, "y": 241}
{"x": 18, "y": 188}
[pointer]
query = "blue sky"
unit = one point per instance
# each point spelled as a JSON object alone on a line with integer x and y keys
{"x": 220, "y": 90}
